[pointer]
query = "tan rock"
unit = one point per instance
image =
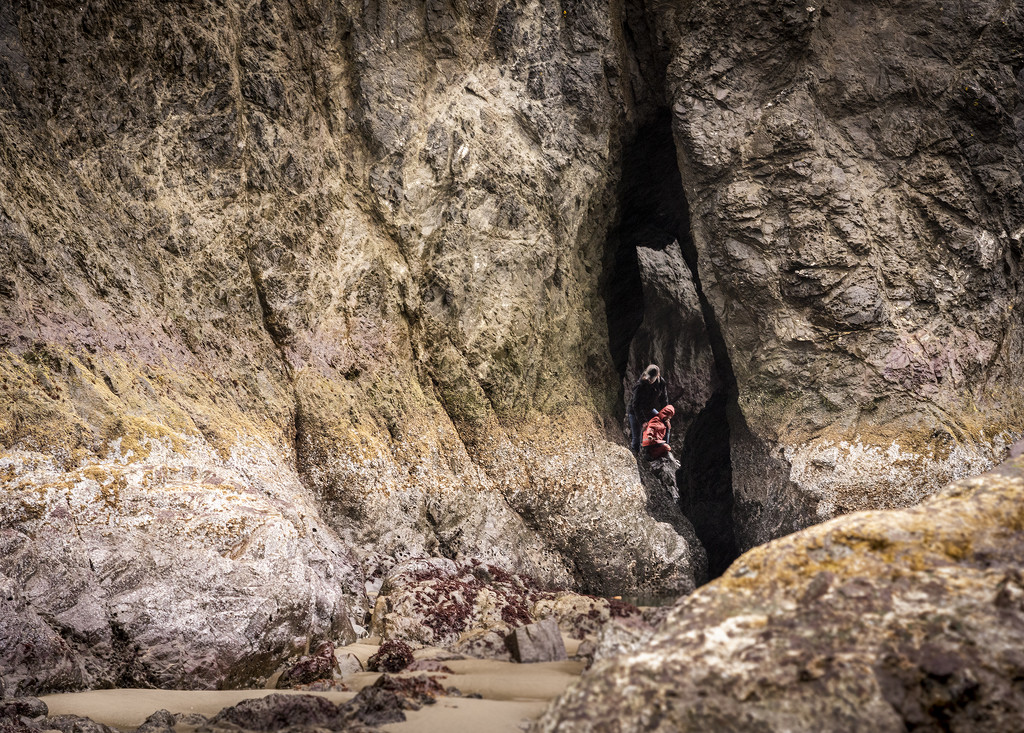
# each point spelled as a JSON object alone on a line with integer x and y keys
{"x": 880, "y": 620}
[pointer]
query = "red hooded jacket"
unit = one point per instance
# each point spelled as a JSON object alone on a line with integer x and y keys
{"x": 656, "y": 429}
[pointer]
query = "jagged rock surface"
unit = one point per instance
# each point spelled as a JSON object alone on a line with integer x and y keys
{"x": 353, "y": 256}
{"x": 161, "y": 575}
{"x": 853, "y": 173}
{"x": 470, "y": 608}
{"x": 879, "y": 621}
{"x": 347, "y": 255}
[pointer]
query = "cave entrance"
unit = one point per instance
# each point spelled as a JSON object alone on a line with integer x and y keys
{"x": 657, "y": 313}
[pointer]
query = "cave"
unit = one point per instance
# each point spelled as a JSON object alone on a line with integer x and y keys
{"x": 653, "y": 215}
{"x": 704, "y": 479}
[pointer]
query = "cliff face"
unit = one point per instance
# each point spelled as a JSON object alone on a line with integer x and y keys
{"x": 346, "y": 283}
{"x": 310, "y": 273}
{"x": 854, "y": 179}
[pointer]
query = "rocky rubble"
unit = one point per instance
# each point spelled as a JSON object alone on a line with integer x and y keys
{"x": 472, "y": 609}
{"x": 878, "y": 621}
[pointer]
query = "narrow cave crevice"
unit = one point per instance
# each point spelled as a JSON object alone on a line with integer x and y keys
{"x": 654, "y": 213}
{"x": 623, "y": 298}
{"x": 704, "y": 479}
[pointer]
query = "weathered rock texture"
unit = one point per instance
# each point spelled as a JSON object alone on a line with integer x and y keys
{"x": 160, "y": 574}
{"x": 673, "y": 336}
{"x": 471, "y": 608}
{"x": 356, "y": 258}
{"x": 539, "y": 642}
{"x": 853, "y": 173}
{"x": 879, "y": 621}
{"x": 303, "y": 266}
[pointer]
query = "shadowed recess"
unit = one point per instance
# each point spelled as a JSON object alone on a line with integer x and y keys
{"x": 653, "y": 213}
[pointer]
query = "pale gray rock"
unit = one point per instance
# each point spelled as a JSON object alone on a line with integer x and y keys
{"x": 348, "y": 663}
{"x": 539, "y": 642}
{"x": 122, "y": 574}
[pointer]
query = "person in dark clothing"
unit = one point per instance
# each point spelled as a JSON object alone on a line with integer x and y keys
{"x": 649, "y": 396}
{"x": 656, "y": 434}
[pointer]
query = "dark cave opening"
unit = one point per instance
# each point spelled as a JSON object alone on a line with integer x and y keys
{"x": 654, "y": 213}
{"x": 704, "y": 479}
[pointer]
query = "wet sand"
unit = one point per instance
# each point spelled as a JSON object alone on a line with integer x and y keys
{"x": 512, "y": 696}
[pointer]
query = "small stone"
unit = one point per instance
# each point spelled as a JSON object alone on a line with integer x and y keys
{"x": 539, "y": 642}
{"x": 348, "y": 663}
{"x": 23, "y": 707}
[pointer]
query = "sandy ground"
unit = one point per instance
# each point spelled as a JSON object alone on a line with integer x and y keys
{"x": 512, "y": 696}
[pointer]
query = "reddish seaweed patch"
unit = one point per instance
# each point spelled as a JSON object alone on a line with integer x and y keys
{"x": 393, "y": 656}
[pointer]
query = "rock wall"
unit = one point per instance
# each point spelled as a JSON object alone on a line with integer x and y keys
{"x": 270, "y": 269}
{"x": 350, "y": 267}
{"x": 853, "y": 173}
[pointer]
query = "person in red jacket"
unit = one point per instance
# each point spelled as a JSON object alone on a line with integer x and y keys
{"x": 656, "y": 434}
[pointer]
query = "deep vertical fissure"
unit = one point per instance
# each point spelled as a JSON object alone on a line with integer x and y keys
{"x": 654, "y": 214}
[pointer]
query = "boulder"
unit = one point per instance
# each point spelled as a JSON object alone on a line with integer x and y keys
{"x": 393, "y": 656}
{"x": 470, "y": 608}
{"x": 163, "y": 574}
{"x": 884, "y": 620}
{"x": 162, "y": 721}
{"x": 23, "y": 707}
{"x": 539, "y": 642}
{"x": 277, "y": 711}
{"x": 320, "y": 665}
{"x": 77, "y": 724}
{"x": 435, "y": 601}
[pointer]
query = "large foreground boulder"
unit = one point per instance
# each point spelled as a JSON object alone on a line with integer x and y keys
{"x": 176, "y": 573}
{"x": 879, "y": 621}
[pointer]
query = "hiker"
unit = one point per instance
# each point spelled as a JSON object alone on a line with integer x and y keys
{"x": 656, "y": 434}
{"x": 648, "y": 397}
